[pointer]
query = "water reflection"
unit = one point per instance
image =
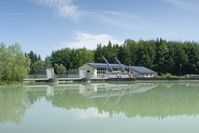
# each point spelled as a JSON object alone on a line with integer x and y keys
{"x": 13, "y": 104}
{"x": 141, "y": 99}
{"x": 158, "y": 100}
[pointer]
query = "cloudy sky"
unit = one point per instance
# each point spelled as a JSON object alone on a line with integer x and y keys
{"x": 46, "y": 25}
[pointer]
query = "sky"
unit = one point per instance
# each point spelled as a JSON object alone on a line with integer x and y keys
{"x": 47, "y": 25}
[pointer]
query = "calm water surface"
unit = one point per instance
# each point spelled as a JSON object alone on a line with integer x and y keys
{"x": 100, "y": 108}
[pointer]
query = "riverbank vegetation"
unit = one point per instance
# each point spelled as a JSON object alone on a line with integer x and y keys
{"x": 165, "y": 57}
{"x": 14, "y": 66}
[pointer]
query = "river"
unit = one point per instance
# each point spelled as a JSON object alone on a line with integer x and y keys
{"x": 100, "y": 108}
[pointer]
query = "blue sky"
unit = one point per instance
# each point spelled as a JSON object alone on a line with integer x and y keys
{"x": 46, "y": 25}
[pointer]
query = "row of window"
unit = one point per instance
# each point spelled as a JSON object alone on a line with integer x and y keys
{"x": 104, "y": 70}
{"x": 101, "y": 70}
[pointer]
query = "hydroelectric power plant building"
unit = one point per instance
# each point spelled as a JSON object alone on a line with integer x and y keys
{"x": 106, "y": 70}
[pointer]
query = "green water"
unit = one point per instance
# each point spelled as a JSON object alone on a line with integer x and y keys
{"x": 100, "y": 108}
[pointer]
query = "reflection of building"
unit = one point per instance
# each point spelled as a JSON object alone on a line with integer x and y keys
{"x": 114, "y": 90}
{"x": 100, "y": 90}
{"x": 101, "y": 70}
{"x": 144, "y": 99}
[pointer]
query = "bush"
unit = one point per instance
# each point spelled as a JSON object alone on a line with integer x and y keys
{"x": 167, "y": 75}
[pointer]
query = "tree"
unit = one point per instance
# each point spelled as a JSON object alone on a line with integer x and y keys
{"x": 33, "y": 59}
{"x": 14, "y": 65}
{"x": 98, "y": 54}
{"x": 71, "y": 58}
{"x": 162, "y": 56}
{"x": 122, "y": 55}
{"x": 60, "y": 69}
{"x": 110, "y": 52}
{"x": 61, "y": 56}
{"x": 41, "y": 66}
{"x": 83, "y": 56}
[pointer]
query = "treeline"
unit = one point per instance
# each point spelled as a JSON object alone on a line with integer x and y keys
{"x": 61, "y": 60}
{"x": 37, "y": 65}
{"x": 174, "y": 57}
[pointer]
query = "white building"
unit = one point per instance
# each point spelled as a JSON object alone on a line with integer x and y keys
{"x": 101, "y": 70}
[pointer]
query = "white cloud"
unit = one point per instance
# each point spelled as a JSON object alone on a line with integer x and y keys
{"x": 64, "y": 8}
{"x": 89, "y": 41}
{"x": 67, "y": 9}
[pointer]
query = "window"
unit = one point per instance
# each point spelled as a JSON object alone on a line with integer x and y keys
{"x": 101, "y": 70}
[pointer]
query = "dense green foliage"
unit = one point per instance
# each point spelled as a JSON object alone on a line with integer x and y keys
{"x": 71, "y": 58}
{"x": 160, "y": 55}
{"x": 60, "y": 69}
{"x": 177, "y": 58}
{"x": 33, "y": 61}
{"x": 174, "y": 57}
{"x": 37, "y": 65}
{"x": 13, "y": 64}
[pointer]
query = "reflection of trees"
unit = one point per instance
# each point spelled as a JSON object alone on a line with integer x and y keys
{"x": 163, "y": 100}
{"x": 13, "y": 104}
{"x": 35, "y": 96}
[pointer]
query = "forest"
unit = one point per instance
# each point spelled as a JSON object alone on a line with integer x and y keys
{"x": 165, "y": 57}
{"x": 162, "y": 56}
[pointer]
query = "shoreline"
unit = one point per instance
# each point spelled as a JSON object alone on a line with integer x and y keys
{"x": 139, "y": 80}
{"x": 119, "y": 80}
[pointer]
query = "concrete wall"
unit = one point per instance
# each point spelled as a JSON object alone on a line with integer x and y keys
{"x": 89, "y": 71}
{"x": 95, "y": 73}
{"x": 50, "y": 73}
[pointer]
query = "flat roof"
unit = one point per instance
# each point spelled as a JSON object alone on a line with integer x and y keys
{"x": 104, "y": 65}
{"x": 138, "y": 69}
